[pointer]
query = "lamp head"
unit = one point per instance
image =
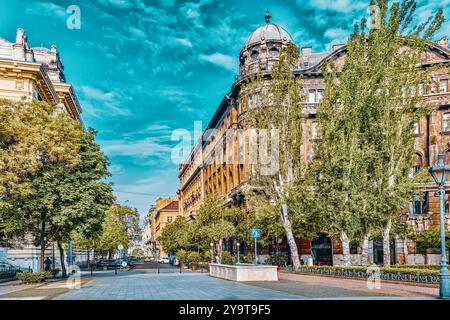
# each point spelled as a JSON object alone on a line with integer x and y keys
{"x": 440, "y": 171}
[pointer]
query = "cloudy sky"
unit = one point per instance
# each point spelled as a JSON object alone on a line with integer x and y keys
{"x": 144, "y": 68}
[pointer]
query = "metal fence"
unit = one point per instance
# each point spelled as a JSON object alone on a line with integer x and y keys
{"x": 363, "y": 274}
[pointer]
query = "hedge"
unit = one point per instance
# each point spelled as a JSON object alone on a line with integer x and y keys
{"x": 33, "y": 277}
{"x": 386, "y": 273}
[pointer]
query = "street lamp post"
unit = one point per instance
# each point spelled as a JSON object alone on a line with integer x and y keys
{"x": 440, "y": 173}
{"x": 238, "y": 247}
{"x": 212, "y": 252}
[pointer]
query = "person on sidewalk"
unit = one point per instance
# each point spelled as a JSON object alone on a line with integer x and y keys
{"x": 48, "y": 264}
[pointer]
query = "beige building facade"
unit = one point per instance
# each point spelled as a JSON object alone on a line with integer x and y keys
{"x": 163, "y": 212}
{"x": 218, "y": 164}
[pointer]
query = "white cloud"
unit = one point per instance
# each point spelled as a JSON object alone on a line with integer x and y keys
{"x": 46, "y": 9}
{"x": 120, "y": 4}
{"x": 139, "y": 149}
{"x": 220, "y": 60}
{"x": 183, "y": 42}
{"x": 336, "y": 33}
{"x": 97, "y": 94}
{"x": 342, "y": 6}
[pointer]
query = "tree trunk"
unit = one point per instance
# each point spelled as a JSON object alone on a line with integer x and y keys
{"x": 345, "y": 249}
{"x": 290, "y": 237}
{"x": 61, "y": 256}
{"x": 387, "y": 244}
{"x": 88, "y": 259}
{"x": 42, "y": 244}
{"x": 365, "y": 261}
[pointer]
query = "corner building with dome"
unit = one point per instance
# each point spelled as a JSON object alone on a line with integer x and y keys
{"x": 216, "y": 165}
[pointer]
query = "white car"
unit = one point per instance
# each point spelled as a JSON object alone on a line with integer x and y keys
{"x": 164, "y": 260}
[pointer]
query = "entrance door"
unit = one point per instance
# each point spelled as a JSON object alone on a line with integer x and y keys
{"x": 378, "y": 257}
{"x": 322, "y": 250}
{"x": 378, "y": 251}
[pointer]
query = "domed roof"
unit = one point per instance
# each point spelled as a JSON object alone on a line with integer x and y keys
{"x": 269, "y": 32}
{"x": 41, "y": 49}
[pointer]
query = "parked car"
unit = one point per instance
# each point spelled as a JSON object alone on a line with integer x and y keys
{"x": 148, "y": 259}
{"x": 164, "y": 260}
{"x": 106, "y": 264}
{"x": 7, "y": 266}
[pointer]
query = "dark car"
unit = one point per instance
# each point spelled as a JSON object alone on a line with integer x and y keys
{"x": 106, "y": 264}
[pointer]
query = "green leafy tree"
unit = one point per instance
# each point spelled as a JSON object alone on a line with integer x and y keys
{"x": 214, "y": 222}
{"x": 115, "y": 229}
{"x": 366, "y": 122}
{"x": 50, "y": 175}
{"x": 176, "y": 235}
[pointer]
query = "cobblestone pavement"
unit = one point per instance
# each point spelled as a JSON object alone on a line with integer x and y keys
{"x": 138, "y": 285}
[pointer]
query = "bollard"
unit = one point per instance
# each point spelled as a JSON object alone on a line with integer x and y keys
{"x": 158, "y": 269}
{"x": 92, "y": 270}
{"x": 180, "y": 269}
{"x": 115, "y": 270}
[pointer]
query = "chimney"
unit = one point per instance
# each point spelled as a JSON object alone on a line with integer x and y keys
{"x": 306, "y": 51}
{"x": 337, "y": 46}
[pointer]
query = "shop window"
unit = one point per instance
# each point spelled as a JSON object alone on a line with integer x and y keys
{"x": 420, "y": 204}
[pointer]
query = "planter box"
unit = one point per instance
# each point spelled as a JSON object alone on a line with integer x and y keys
{"x": 243, "y": 272}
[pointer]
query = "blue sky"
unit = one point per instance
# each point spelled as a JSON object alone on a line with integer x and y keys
{"x": 144, "y": 68}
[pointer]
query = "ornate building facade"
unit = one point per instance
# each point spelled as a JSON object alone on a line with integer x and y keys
{"x": 216, "y": 164}
{"x": 34, "y": 73}
{"x": 163, "y": 212}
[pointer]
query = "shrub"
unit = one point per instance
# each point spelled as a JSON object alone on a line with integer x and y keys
{"x": 54, "y": 272}
{"x": 277, "y": 259}
{"x": 394, "y": 270}
{"x": 227, "y": 258}
{"x": 249, "y": 258}
{"x": 182, "y": 256}
{"x": 194, "y": 257}
{"x": 206, "y": 256}
{"x": 33, "y": 277}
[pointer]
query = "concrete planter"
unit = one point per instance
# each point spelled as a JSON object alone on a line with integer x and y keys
{"x": 243, "y": 272}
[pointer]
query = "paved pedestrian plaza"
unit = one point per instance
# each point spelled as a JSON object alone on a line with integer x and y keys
{"x": 142, "y": 285}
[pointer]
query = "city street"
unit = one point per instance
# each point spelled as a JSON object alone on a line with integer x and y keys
{"x": 149, "y": 285}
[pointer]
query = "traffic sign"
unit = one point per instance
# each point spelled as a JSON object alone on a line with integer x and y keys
{"x": 255, "y": 233}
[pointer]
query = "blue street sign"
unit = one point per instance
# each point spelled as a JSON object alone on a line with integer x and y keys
{"x": 255, "y": 233}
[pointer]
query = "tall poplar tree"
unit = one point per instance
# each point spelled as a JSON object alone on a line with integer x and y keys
{"x": 279, "y": 108}
{"x": 367, "y": 119}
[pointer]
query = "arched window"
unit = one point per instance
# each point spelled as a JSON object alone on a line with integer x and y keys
{"x": 274, "y": 52}
{"x": 254, "y": 55}
{"x": 418, "y": 163}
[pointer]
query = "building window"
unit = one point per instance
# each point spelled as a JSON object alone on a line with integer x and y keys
{"x": 254, "y": 100}
{"x": 446, "y": 122}
{"x": 274, "y": 52}
{"x": 443, "y": 86}
{"x": 169, "y": 219}
{"x": 254, "y": 55}
{"x": 420, "y": 204}
{"x": 353, "y": 247}
{"x": 315, "y": 96}
{"x": 416, "y": 128}
{"x": 421, "y": 89}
